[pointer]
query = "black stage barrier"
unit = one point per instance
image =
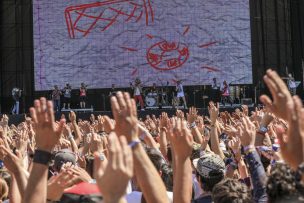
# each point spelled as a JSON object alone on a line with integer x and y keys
{"x": 16, "y": 119}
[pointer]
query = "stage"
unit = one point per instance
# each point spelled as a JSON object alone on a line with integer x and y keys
{"x": 84, "y": 114}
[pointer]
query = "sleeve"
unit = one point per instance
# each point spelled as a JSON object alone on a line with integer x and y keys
{"x": 258, "y": 177}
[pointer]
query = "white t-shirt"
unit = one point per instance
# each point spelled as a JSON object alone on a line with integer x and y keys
{"x": 137, "y": 91}
{"x": 135, "y": 197}
{"x": 180, "y": 91}
{"x": 292, "y": 84}
{"x": 196, "y": 187}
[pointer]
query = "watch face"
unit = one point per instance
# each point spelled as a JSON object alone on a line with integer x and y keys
{"x": 102, "y": 157}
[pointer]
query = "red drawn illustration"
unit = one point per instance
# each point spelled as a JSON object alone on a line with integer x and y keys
{"x": 207, "y": 45}
{"x": 134, "y": 72}
{"x": 186, "y": 30}
{"x": 211, "y": 69}
{"x": 82, "y": 19}
{"x": 167, "y": 55}
{"x": 129, "y": 49}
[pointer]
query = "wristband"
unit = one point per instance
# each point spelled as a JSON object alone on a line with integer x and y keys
{"x": 246, "y": 148}
{"x": 42, "y": 157}
{"x": 70, "y": 137}
{"x": 133, "y": 144}
{"x": 192, "y": 125}
{"x": 143, "y": 136}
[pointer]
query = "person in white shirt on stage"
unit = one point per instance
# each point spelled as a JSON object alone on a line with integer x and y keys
{"x": 137, "y": 88}
{"x": 16, "y": 94}
{"x": 292, "y": 86}
{"x": 181, "y": 93}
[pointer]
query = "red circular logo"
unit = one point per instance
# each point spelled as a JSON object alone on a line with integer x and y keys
{"x": 167, "y": 56}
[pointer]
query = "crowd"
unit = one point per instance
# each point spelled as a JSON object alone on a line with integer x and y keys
{"x": 238, "y": 157}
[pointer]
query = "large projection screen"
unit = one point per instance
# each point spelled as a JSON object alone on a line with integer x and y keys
{"x": 110, "y": 42}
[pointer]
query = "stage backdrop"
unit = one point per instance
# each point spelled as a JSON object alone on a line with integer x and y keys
{"x": 110, "y": 42}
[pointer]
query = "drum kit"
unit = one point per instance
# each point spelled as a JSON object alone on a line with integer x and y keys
{"x": 155, "y": 99}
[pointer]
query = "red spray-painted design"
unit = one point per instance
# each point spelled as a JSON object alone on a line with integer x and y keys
{"x": 84, "y": 18}
{"x": 167, "y": 55}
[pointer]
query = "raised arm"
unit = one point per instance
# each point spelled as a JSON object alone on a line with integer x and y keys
{"x": 192, "y": 117}
{"x": 47, "y": 136}
{"x": 125, "y": 114}
{"x": 78, "y": 135}
{"x": 247, "y": 134}
{"x": 214, "y": 136}
{"x": 182, "y": 141}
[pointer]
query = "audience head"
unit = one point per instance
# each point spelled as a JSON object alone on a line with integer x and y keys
{"x": 210, "y": 169}
{"x": 282, "y": 184}
{"x": 231, "y": 191}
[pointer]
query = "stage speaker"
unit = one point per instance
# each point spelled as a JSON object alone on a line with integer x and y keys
{"x": 246, "y": 101}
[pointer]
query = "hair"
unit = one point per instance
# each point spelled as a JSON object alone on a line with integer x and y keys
{"x": 5, "y": 175}
{"x": 162, "y": 166}
{"x": 282, "y": 184}
{"x": 231, "y": 191}
{"x": 3, "y": 189}
{"x": 214, "y": 178}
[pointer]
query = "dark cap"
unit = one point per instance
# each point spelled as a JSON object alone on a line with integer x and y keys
{"x": 63, "y": 156}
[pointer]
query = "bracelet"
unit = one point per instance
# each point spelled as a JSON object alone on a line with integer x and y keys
{"x": 70, "y": 137}
{"x": 42, "y": 157}
{"x": 192, "y": 125}
{"x": 143, "y": 136}
{"x": 133, "y": 144}
{"x": 246, "y": 148}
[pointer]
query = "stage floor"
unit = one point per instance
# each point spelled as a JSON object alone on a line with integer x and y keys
{"x": 85, "y": 115}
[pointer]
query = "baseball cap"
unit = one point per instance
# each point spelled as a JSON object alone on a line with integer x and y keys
{"x": 209, "y": 165}
{"x": 63, "y": 156}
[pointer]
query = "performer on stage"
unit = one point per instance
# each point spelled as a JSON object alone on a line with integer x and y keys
{"x": 137, "y": 88}
{"x": 215, "y": 91}
{"x": 112, "y": 91}
{"x": 180, "y": 93}
{"x": 56, "y": 98}
{"x": 225, "y": 94}
{"x": 16, "y": 94}
{"x": 154, "y": 88}
{"x": 292, "y": 86}
{"x": 83, "y": 95}
{"x": 67, "y": 94}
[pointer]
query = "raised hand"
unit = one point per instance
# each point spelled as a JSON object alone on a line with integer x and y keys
{"x": 114, "y": 179}
{"x": 108, "y": 124}
{"x": 181, "y": 139}
{"x": 12, "y": 162}
{"x": 213, "y": 112}
{"x": 245, "y": 110}
{"x": 47, "y": 135}
{"x": 125, "y": 115}
{"x": 57, "y": 184}
{"x": 192, "y": 115}
{"x": 230, "y": 130}
{"x": 72, "y": 117}
{"x": 247, "y": 132}
{"x": 180, "y": 114}
{"x": 235, "y": 144}
{"x": 291, "y": 143}
{"x": 279, "y": 92}
{"x": 96, "y": 143}
{"x": 163, "y": 120}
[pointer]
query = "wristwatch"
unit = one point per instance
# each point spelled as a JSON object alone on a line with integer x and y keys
{"x": 42, "y": 157}
{"x": 263, "y": 130}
